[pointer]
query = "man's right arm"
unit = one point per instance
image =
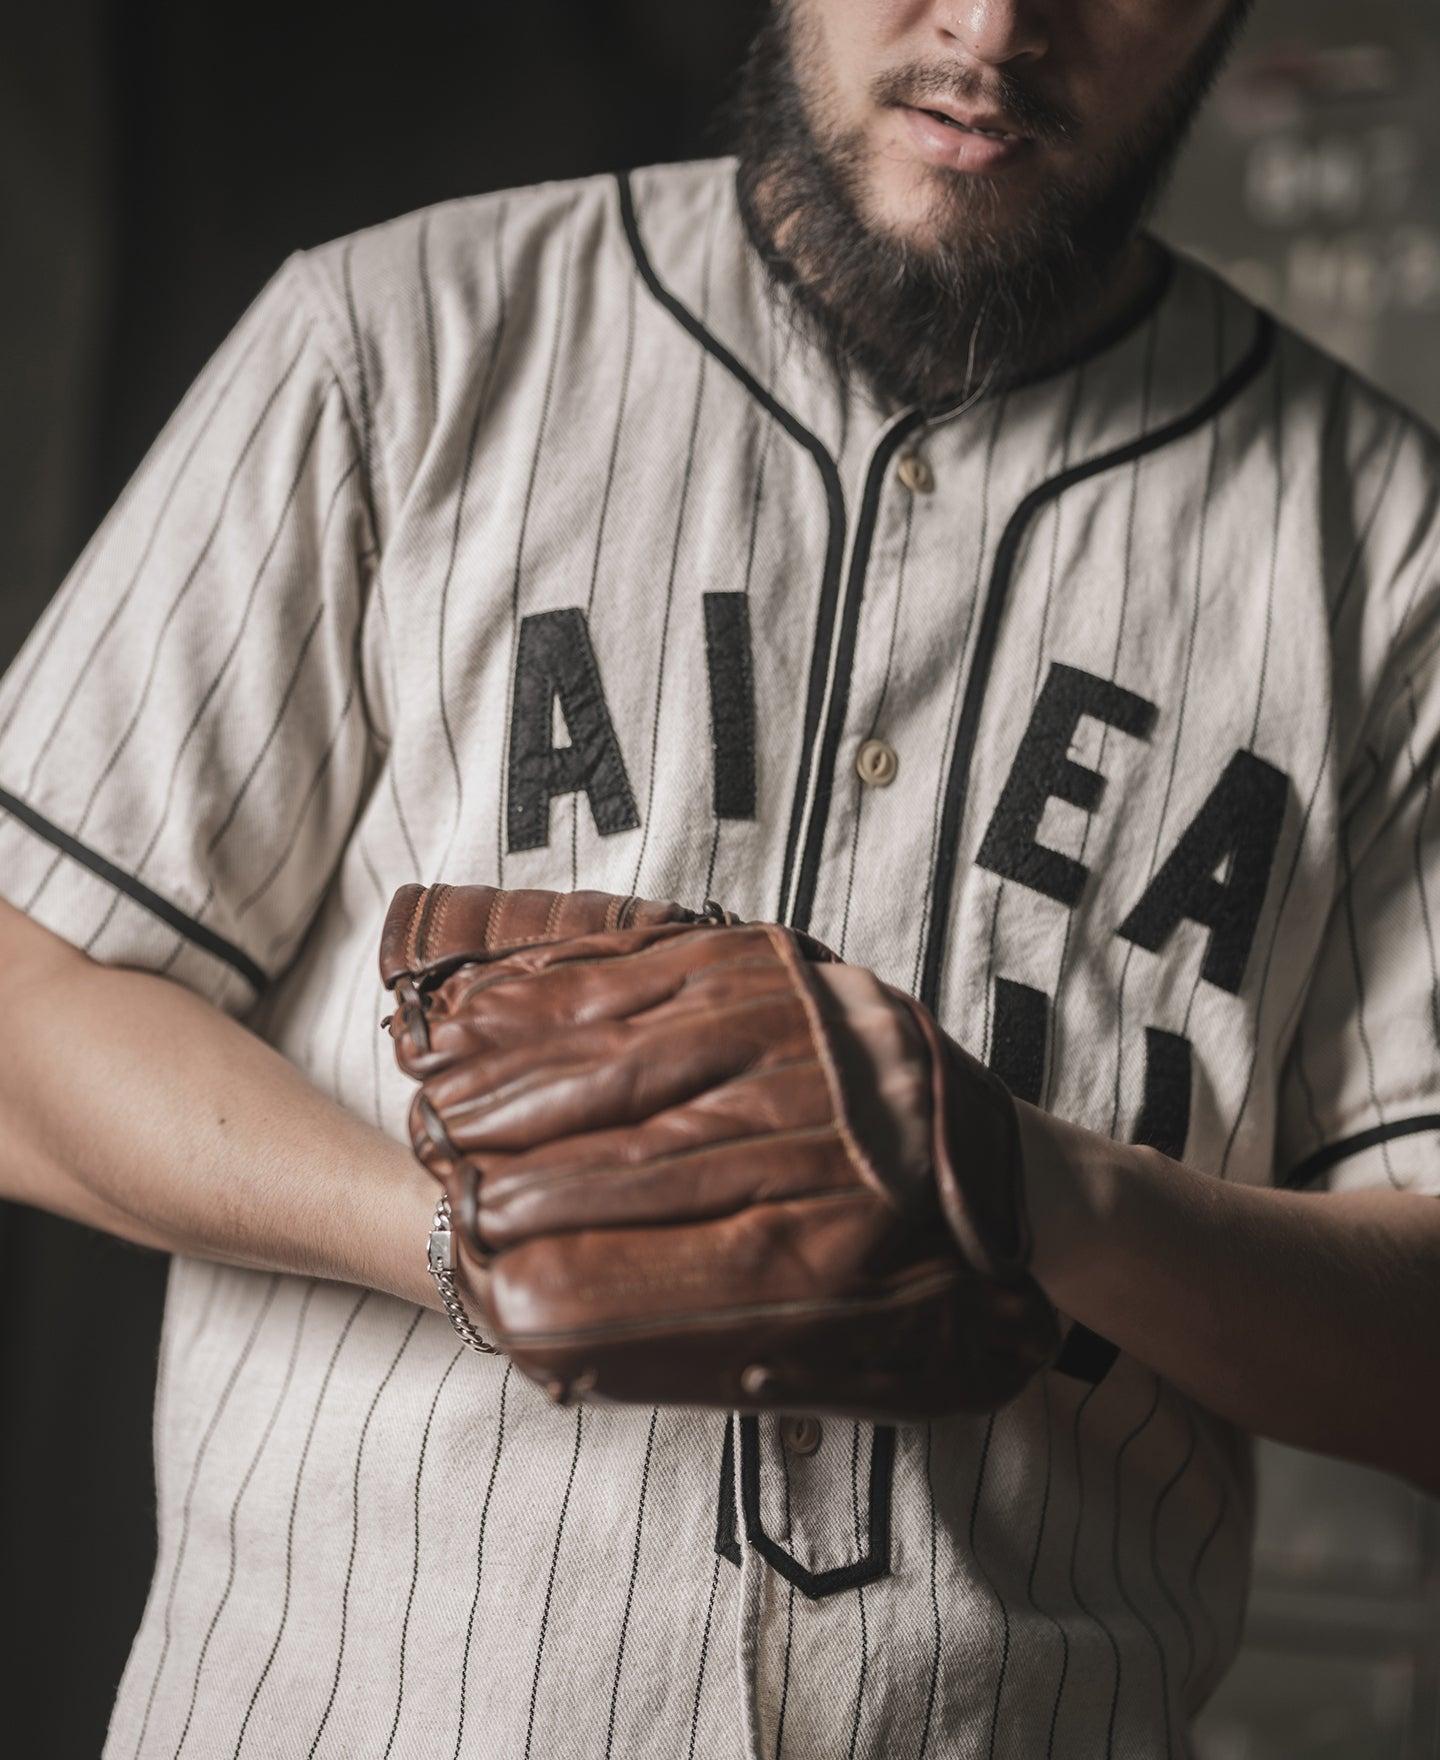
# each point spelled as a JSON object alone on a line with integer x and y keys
{"x": 133, "y": 1105}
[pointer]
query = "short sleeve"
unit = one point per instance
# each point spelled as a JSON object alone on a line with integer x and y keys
{"x": 183, "y": 738}
{"x": 1360, "y": 1101}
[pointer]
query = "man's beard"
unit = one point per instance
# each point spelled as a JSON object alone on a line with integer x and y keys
{"x": 985, "y": 300}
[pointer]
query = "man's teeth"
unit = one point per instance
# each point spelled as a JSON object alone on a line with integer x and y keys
{"x": 991, "y": 134}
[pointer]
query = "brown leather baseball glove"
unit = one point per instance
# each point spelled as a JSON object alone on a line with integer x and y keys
{"x": 686, "y": 1167}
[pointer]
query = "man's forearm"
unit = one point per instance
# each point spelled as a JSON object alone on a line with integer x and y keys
{"x": 1312, "y": 1319}
{"x": 131, "y": 1104}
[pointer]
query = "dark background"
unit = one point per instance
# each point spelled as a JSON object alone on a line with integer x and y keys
{"x": 157, "y": 162}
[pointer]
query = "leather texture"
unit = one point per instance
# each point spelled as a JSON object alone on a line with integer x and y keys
{"x": 678, "y": 1177}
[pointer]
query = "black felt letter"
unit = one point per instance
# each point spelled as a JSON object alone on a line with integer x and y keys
{"x": 556, "y": 660}
{"x": 1165, "y": 1120}
{"x": 1044, "y": 769}
{"x": 732, "y": 703}
{"x": 1020, "y": 1039}
{"x": 1239, "y": 825}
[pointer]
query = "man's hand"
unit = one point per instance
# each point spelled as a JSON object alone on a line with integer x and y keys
{"x": 681, "y": 1174}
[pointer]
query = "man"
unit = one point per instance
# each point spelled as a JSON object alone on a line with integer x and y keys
{"x": 890, "y": 540}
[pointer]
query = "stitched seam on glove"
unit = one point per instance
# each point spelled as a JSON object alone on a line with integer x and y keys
{"x": 454, "y": 961}
{"x": 751, "y": 1073}
{"x": 742, "y": 1206}
{"x": 865, "y": 1170}
{"x": 552, "y": 1177}
{"x": 918, "y": 1290}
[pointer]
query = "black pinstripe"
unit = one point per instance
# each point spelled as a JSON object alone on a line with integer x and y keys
{"x": 392, "y": 786}
{"x": 989, "y": 1581}
{"x": 235, "y": 1503}
{"x": 550, "y": 1580}
{"x": 627, "y": 360}
{"x": 1161, "y": 1498}
{"x": 302, "y": 811}
{"x": 934, "y": 1601}
{"x": 1381, "y": 496}
{"x": 480, "y": 1554}
{"x": 685, "y": 483}
{"x": 427, "y": 307}
{"x": 1057, "y": 520}
{"x": 350, "y": 1319}
{"x": 482, "y": 409}
{"x": 217, "y": 1413}
{"x": 1045, "y": 1614}
{"x": 630, "y": 1586}
{"x": 789, "y": 1613}
{"x": 962, "y": 660}
{"x": 1357, "y": 973}
{"x": 1207, "y": 1540}
{"x": 1080, "y": 1602}
{"x": 355, "y": 1529}
{"x": 1278, "y": 377}
{"x": 362, "y": 385}
{"x": 1426, "y": 774}
{"x": 1311, "y": 1110}
{"x": 704, "y": 1654}
{"x": 859, "y": 1590}
{"x": 382, "y": 899}
{"x": 562, "y": 298}
{"x": 415, "y": 1555}
{"x": 1133, "y": 1436}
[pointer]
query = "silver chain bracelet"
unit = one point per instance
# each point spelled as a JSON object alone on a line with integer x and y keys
{"x": 441, "y": 1260}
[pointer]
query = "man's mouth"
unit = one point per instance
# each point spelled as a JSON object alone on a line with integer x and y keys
{"x": 989, "y": 129}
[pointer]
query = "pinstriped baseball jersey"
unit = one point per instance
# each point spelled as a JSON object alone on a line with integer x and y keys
{"x": 526, "y": 540}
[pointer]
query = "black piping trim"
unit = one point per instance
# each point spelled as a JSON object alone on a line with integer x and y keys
{"x": 834, "y": 499}
{"x": 1311, "y": 1168}
{"x": 1006, "y": 557}
{"x": 169, "y": 914}
{"x": 816, "y": 1585}
{"x": 805, "y": 885}
{"x": 727, "y": 1536}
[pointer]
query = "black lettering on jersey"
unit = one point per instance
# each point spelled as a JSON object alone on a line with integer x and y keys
{"x": 732, "y": 703}
{"x": 1019, "y": 1046}
{"x": 555, "y": 661}
{"x": 1043, "y": 769}
{"x": 1165, "y": 1116}
{"x": 1020, "y": 1038}
{"x": 1238, "y": 827}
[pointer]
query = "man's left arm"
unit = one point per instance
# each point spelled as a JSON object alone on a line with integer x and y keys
{"x": 1312, "y": 1318}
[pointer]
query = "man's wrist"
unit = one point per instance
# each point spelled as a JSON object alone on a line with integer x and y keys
{"x": 1073, "y": 1178}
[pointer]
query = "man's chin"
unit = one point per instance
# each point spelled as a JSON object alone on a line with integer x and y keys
{"x": 926, "y": 212}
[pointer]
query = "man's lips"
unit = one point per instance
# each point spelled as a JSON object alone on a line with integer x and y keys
{"x": 992, "y": 124}
{"x": 944, "y": 134}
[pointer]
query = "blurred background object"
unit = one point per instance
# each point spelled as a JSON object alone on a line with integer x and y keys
{"x": 1311, "y": 182}
{"x": 157, "y": 162}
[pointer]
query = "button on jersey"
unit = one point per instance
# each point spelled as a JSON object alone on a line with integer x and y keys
{"x": 529, "y": 541}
